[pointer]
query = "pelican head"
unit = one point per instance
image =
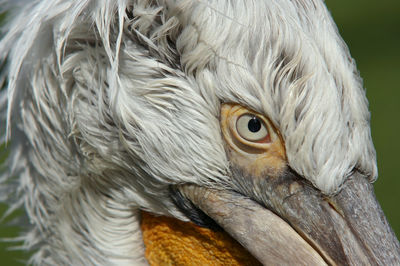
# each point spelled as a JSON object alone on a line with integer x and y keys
{"x": 247, "y": 117}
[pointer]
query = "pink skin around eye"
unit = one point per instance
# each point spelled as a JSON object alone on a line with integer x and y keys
{"x": 266, "y": 139}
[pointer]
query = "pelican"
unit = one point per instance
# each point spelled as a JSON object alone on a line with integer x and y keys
{"x": 151, "y": 131}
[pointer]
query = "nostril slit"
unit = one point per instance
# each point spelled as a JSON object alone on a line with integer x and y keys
{"x": 334, "y": 206}
{"x": 331, "y": 205}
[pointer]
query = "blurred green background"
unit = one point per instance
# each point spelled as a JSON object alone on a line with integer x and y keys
{"x": 372, "y": 31}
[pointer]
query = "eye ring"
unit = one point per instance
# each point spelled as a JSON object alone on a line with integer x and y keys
{"x": 252, "y": 128}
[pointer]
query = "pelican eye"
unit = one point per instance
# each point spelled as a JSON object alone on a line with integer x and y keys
{"x": 253, "y": 142}
{"x": 251, "y": 128}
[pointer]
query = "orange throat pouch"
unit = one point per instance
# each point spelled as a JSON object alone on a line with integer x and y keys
{"x": 169, "y": 241}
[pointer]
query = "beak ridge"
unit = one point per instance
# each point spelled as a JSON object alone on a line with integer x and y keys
{"x": 367, "y": 222}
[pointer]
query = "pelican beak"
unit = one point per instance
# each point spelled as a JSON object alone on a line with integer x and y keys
{"x": 294, "y": 223}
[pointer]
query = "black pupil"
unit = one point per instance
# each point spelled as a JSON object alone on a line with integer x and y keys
{"x": 254, "y": 124}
